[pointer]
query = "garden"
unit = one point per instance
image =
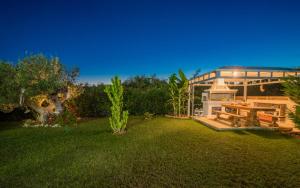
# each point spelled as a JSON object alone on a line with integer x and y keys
{"x": 55, "y": 132}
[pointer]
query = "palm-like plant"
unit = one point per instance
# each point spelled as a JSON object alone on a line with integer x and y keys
{"x": 183, "y": 84}
{"x": 173, "y": 89}
{"x": 292, "y": 89}
{"x": 178, "y": 91}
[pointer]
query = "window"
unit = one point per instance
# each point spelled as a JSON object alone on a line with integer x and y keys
{"x": 212, "y": 75}
{"x": 277, "y": 74}
{"x": 239, "y": 74}
{"x": 290, "y": 73}
{"x": 226, "y": 73}
{"x": 265, "y": 74}
{"x": 252, "y": 74}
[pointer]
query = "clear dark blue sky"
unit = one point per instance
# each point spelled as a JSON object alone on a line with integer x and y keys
{"x": 105, "y": 38}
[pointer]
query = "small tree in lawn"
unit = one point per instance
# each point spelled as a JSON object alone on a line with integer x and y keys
{"x": 118, "y": 119}
{"x": 292, "y": 89}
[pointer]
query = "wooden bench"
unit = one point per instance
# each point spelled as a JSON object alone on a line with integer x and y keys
{"x": 235, "y": 119}
{"x": 269, "y": 118}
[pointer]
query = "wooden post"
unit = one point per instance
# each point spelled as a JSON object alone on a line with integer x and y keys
{"x": 189, "y": 102}
{"x": 245, "y": 90}
{"x": 193, "y": 97}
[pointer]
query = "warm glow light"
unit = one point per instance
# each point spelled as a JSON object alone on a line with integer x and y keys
{"x": 235, "y": 74}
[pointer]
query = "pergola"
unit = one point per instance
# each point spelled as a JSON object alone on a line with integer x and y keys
{"x": 240, "y": 76}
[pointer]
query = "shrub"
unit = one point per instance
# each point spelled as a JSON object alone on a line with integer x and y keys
{"x": 148, "y": 116}
{"x": 93, "y": 102}
{"x": 66, "y": 118}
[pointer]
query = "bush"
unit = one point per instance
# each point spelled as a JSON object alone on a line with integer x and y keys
{"x": 148, "y": 115}
{"x": 66, "y": 118}
{"x": 146, "y": 94}
{"x": 295, "y": 116}
{"x": 93, "y": 102}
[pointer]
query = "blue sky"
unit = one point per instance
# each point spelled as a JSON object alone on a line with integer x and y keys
{"x": 146, "y": 37}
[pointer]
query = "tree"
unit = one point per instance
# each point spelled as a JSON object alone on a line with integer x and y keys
{"x": 292, "y": 89}
{"x": 118, "y": 119}
{"x": 40, "y": 83}
{"x": 178, "y": 87}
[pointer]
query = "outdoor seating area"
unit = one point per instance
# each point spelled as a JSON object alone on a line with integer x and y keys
{"x": 223, "y": 110}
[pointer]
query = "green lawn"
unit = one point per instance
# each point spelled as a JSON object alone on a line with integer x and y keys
{"x": 154, "y": 153}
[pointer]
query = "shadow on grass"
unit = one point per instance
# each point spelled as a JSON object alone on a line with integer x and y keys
{"x": 269, "y": 134}
{"x": 6, "y": 125}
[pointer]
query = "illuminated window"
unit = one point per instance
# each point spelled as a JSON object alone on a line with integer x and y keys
{"x": 205, "y": 76}
{"x": 212, "y": 75}
{"x": 265, "y": 74}
{"x": 200, "y": 78}
{"x": 252, "y": 74}
{"x": 277, "y": 74}
{"x": 239, "y": 74}
{"x": 226, "y": 73}
{"x": 290, "y": 73}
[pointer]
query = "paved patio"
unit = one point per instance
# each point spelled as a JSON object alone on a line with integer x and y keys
{"x": 220, "y": 126}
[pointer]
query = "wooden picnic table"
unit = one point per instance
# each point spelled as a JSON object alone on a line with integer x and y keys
{"x": 251, "y": 119}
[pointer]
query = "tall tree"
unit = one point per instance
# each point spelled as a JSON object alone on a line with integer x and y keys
{"x": 118, "y": 119}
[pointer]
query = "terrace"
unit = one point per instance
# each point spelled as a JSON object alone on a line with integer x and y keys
{"x": 223, "y": 110}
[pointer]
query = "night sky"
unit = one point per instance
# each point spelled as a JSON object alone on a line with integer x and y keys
{"x": 146, "y": 37}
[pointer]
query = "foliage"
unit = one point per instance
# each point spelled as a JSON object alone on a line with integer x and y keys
{"x": 118, "y": 119}
{"x": 93, "y": 102}
{"x": 292, "y": 89}
{"x": 9, "y": 89}
{"x": 146, "y": 94}
{"x": 148, "y": 116}
{"x": 38, "y": 74}
{"x": 173, "y": 90}
{"x": 178, "y": 87}
{"x": 35, "y": 77}
{"x": 295, "y": 116}
{"x": 66, "y": 118}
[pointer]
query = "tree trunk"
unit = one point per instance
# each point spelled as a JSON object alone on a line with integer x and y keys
{"x": 42, "y": 114}
{"x": 57, "y": 104}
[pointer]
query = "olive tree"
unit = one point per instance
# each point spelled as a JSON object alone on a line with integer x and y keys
{"x": 34, "y": 81}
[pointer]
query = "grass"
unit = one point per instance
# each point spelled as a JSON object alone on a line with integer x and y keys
{"x": 154, "y": 153}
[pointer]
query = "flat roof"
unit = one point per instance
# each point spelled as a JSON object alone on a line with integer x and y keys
{"x": 258, "y": 68}
{"x": 246, "y": 72}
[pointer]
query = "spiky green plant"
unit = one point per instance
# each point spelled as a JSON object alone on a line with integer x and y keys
{"x": 118, "y": 119}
